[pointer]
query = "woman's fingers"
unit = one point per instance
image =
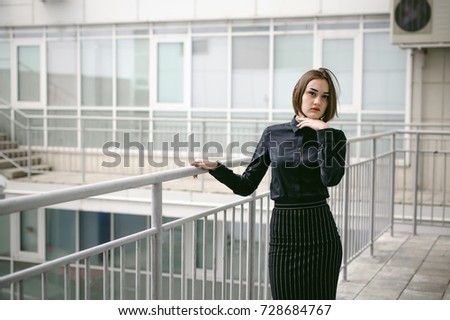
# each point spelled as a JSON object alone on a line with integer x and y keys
{"x": 206, "y": 165}
{"x": 315, "y": 124}
{"x": 199, "y": 163}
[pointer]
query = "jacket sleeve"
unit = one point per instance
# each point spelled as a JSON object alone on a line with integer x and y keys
{"x": 250, "y": 179}
{"x": 332, "y": 152}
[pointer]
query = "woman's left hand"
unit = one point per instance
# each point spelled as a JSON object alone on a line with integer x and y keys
{"x": 204, "y": 164}
{"x": 315, "y": 124}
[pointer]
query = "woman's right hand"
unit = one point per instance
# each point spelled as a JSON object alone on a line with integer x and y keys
{"x": 204, "y": 164}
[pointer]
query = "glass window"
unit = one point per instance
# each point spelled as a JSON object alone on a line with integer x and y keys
{"x": 62, "y": 73}
{"x": 337, "y": 25}
{"x": 96, "y": 128}
{"x": 170, "y": 72}
{"x": 384, "y": 74}
{"x": 209, "y": 235}
{"x": 132, "y": 29}
{"x": 210, "y": 134}
{"x": 209, "y": 72}
{"x": 60, "y": 233}
{"x": 62, "y": 132}
{"x": 338, "y": 57}
{"x": 29, "y": 288}
{"x": 250, "y": 72}
{"x": 132, "y": 72}
{"x": 61, "y": 32}
{"x": 177, "y": 247}
{"x": 96, "y": 31}
{"x": 29, "y": 33}
{"x": 124, "y": 225}
{"x": 94, "y": 230}
{"x": 36, "y": 124}
{"x": 28, "y": 68}
{"x": 292, "y": 57}
{"x": 137, "y": 126}
{"x": 5, "y": 73}
{"x": 5, "y": 249}
{"x": 293, "y": 24}
{"x": 29, "y": 230}
{"x": 96, "y": 73}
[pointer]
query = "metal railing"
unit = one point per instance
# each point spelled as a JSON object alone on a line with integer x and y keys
{"x": 74, "y": 143}
{"x": 27, "y": 128}
{"x": 222, "y": 251}
{"x": 422, "y": 197}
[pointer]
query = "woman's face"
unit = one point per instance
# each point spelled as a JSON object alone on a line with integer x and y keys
{"x": 315, "y": 99}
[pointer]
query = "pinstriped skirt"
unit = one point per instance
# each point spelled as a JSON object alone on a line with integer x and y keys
{"x": 305, "y": 252}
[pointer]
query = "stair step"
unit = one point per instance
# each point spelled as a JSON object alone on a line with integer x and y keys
{"x": 21, "y": 161}
{"x": 14, "y": 173}
{"x": 6, "y": 144}
{"x": 14, "y": 153}
{"x": 20, "y": 155}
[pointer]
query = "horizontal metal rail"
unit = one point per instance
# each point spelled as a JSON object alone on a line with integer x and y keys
{"x": 362, "y": 203}
{"x": 74, "y": 257}
{"x": 17, "y": 204}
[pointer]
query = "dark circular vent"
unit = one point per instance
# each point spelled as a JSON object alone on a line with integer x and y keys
{"x": 412, "y": 15}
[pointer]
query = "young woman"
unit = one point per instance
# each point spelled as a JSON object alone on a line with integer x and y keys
{"x": 306, "y": 156}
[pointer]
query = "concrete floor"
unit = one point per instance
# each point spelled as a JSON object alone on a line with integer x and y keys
{"x": 403, "y": 267}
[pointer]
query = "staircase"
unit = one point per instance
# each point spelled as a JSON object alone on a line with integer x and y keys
{"x": 14, "y": 160}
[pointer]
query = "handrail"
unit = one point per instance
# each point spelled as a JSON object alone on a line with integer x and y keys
{"x": 14, "y": 163}
{"x": 83, "y": 254}
{"x": 16, "y": 204}
{"x": 261, "y": 121}
{"x": 379, "y": 167}
{"x": 71, "y": 258}
{"x": 23, "y": 114}
{"x": 28, "y": 131}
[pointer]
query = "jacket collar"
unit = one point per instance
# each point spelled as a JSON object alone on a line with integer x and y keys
{"x": 293, "y": 125}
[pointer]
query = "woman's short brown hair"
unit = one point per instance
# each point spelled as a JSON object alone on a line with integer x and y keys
{"x": 333, "y": 85}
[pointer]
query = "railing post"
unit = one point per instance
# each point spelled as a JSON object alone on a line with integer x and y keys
{"x": 3, "y": 184}
{"x": 416, "y": 184}
{"x": 83, "y": 152}
{"x": 12, "y": 127}
{"x": 250, "y": 246}
{"x": 141, "y": 135}
{"x": 345, "y": 213}
{"x": 393, "y": 157}
{"x": 156, "y": 247}
{"x": 372, "y": 200}
{"x": 29, "y": 148}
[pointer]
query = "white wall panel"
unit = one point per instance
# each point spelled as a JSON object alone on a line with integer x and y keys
{"x": 58, "y": 12}
{"x": 333, "y": 7}
{"x": 166, "y": 10}
{"x": 110, "y": 10}
{"x": 216, "y": 9}
{"x": 268, "y": 8}
{"x": 37, "y": 12}
{"x": 15, "y": 12}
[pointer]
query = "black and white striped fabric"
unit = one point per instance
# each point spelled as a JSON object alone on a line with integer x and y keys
{"x": 305, "y": 252}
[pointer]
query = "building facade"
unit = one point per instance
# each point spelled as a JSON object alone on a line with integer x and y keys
{"x": 83, "y": 73}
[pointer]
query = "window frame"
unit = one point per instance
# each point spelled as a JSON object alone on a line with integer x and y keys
{"x": 154, "y": 42}
{"x": 15, "y": 44}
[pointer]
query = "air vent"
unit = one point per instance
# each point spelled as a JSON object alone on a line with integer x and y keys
{"x": 420, "y": 23}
